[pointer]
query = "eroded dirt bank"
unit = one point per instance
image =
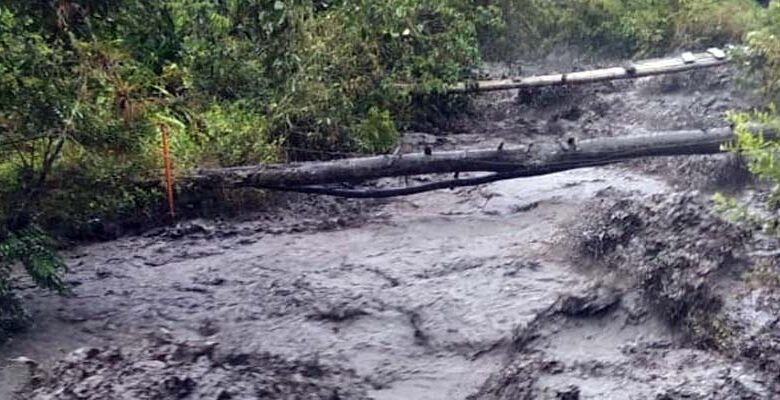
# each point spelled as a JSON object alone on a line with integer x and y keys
{"x": 471, "y": 293}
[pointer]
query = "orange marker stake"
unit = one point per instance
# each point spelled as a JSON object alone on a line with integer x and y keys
{"x": 168, "y": 169}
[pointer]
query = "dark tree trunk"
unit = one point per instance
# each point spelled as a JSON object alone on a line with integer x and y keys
{"x": 506, "y": 163}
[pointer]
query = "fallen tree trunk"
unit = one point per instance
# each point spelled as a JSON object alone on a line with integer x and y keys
{"x": 506, "y": 163}
{"x": 713, "y": 58}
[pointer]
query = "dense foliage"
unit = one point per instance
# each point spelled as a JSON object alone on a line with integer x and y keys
{"x": 86, "y": 86}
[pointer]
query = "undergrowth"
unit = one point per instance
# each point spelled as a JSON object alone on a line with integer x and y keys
{"x": 620, "y": 27}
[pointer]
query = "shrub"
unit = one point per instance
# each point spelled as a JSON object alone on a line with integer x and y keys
{"x": 377, "y": 134}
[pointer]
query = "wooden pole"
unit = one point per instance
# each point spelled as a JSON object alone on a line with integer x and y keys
{"x": 168, "y": 169}
{"x": 712, "y": 58}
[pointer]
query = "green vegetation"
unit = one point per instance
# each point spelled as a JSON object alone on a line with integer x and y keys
{"x": 31, "y": 248}
{"x": 761, "y": 157}
{"x": 762, "y": 58}
{"x": 620, "y": 27}
{"x": 87, "y": 85}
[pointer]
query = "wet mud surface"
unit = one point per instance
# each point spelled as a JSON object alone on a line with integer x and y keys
{"x": 653, "y": 324}
{"x": 546, "y": 287}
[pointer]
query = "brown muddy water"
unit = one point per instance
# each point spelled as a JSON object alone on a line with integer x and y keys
{"x": 464, "y": 294}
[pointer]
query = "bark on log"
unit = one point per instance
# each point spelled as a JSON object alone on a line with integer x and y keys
{"x": 639, "y": 69}
{"x": 507, "y": 163}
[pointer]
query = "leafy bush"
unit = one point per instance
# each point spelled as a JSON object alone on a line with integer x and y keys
{"x": 761, "y": 157}
{"x": 32, "y": 249}
{"x": 236, "y": 135}
{"x": 377, "y": 134}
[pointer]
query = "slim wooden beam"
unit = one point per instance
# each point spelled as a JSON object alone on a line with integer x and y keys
{"x": 691, "y": 61}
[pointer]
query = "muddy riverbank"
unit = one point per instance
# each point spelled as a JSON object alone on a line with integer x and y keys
{"x": 470, "y": 293}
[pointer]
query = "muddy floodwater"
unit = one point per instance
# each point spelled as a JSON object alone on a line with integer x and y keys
{"x": 470, "y": 293}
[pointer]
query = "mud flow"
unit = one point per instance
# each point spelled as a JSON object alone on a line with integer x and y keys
{"x": 598, "y": 283}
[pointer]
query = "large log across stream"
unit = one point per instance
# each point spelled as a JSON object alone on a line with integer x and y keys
{"x": 504, "y": 163}
{"x": 686, "y": 62}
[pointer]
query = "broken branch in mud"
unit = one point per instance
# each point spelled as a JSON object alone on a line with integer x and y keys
{"x": 505, "y": 163}
{"x": 689, "y": 61}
